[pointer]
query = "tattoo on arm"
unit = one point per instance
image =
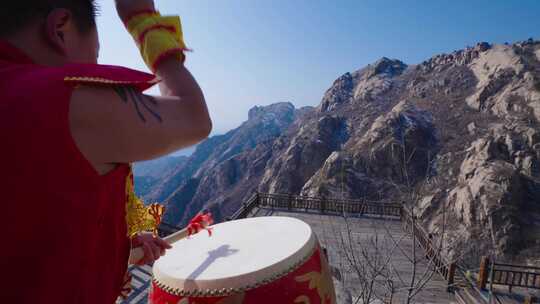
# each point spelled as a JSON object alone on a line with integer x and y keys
{"x": 139, "y": 101}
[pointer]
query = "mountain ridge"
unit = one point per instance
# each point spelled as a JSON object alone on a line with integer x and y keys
{"x": 459, "y": 132}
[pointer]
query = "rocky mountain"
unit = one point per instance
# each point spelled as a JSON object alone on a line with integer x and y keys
{"x": 224, "y": 169}
{"x": 148, "y": 174}
{"x": 456, "y": 137}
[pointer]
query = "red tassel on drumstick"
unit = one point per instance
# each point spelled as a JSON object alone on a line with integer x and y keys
{"x": 200, "y": 222}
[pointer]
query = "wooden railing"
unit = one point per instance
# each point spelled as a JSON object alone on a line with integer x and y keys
{"x": 507, "y": 274}
{"x": 363, "y": 207}
{"x": 433, "y": 252}
{"x": 246, "y": 207}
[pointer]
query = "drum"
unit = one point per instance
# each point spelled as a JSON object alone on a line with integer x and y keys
{"x": 255, "y": 260}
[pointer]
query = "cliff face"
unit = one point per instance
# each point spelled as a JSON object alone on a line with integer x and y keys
{"x": 457, "y": 137}
{"x": 149, "y": 174}
{"x": 224, "y": 169}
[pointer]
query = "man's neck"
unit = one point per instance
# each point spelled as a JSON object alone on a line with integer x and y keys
{"x": 35, "y": 48}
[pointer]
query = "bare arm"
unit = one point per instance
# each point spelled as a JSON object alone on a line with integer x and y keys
{"x": 120, "y": 125}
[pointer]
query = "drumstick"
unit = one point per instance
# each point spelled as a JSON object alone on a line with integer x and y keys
{"x": 198, "y": 223}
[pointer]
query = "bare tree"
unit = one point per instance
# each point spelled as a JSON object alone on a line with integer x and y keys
{"x": 379, "y": 279}
{"x": 378, "y": 261}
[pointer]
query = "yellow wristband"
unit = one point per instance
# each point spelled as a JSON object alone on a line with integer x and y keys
{"x": 158, "y": 37}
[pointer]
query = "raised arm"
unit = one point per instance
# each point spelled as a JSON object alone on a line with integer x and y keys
{"x": 120, "y": 125}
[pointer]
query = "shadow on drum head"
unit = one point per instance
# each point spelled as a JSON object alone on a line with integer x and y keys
{"x": 222, "y": 251}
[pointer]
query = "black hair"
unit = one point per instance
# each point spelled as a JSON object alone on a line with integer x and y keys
{"x": 16, "y": 14}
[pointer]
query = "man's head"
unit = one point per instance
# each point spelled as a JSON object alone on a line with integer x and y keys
{"x": 52, "y": 31}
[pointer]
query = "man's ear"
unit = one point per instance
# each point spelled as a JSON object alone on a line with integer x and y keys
{"x": 58, "y": 24}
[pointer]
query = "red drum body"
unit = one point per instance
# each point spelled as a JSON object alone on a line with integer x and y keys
{"x": 299, "y": 276}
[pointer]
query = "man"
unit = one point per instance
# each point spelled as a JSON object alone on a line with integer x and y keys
{"x": 69, "y": 128}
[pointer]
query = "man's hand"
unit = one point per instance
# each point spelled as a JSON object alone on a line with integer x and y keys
{"x": 153, "y": 247}
{"x": 126, "y": 8}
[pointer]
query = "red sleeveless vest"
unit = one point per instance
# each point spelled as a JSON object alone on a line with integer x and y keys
{"x": 64, "y": 234}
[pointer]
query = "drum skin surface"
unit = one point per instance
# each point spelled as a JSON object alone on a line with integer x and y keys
{"x": 301, "y": 277}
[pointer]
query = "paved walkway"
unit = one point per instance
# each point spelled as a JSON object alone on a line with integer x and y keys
{"x": 383, "y": 254}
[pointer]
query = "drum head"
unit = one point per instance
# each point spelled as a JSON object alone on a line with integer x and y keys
{"x": 239, "y": 255}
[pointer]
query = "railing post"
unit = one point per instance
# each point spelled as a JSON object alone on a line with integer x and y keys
{"x": 404, "y": 219}
{"x": 323, "y": 205}
{"x": 530, "y": 299}
{"x": 289, "y": 202}
{"x": 483, "y": 273}
{"x": 450, "y": 276}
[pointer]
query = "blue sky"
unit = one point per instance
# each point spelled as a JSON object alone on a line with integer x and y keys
{"x": 257, "y": 52}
